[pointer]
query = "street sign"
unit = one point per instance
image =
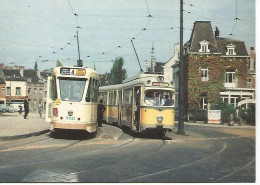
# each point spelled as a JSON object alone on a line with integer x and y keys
{"x": 214, "y": 116}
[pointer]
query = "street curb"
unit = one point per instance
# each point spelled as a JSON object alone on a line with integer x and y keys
{"x": 104, "y": 134}
{"x": 219, "y": 125}
{"x": 6, "y": 138}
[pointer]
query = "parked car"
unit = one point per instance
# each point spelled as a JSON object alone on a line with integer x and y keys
{"x": 12, "y": 109}
{"x": 7, "y": 108}
{"x": 3, "y": 108}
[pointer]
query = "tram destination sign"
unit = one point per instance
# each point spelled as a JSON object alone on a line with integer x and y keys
{"x": 160, "y": 84}
{"x": 72, "y": 71}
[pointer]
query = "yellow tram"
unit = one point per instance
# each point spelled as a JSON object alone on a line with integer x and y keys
{"x": 72, "y": 99}
{"x": 142, "y": 103}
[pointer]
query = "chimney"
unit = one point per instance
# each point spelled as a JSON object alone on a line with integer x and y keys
{"x": 252, "y": 58}
{"x": 217, "y": 32}
{"x": 21, "y": 69}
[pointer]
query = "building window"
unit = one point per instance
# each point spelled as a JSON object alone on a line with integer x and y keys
{"x": 225, "y": 99}
{"x": 204, "y": 73}
{"x": 203, "y": 103}
{"x": 204, "y": 47}
{"x": 249, "y": 84}
{"x": 231, "y": 49}
{"x": 28, "y": 91}
{"x": 2, "y": 90}
{"x": 230, "y": 76}
{"x": 8, "y": 92}
{"x": 29, "y": 80}
{"x": 234, "y": 101}
{"x": 18, "y": 91}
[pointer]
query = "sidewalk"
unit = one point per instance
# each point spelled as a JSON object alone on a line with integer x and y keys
{"x": 225, "y": 125}
{"x": 14, "y": 126}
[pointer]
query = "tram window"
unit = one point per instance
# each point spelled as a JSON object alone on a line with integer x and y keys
{"x": 88, "y": 91}
{"x": 127, "y": 97}
{"x": 156, "y": 97}
{"x": 72, "y": 89}
{"x": 92, "y": 90}
{"x": 53, "y": 89}
{"x": 95, "y": 93}
{"x": 110, "y": 98}
{"x": 105, "y": 98}
{"x": 114, "y": 98}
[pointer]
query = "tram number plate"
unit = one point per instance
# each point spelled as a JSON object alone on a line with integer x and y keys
{"x": 70, "y": 118}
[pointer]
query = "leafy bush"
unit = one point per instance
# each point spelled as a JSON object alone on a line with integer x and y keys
{"x": 248, "y": 115}
{"x": 226, "y": 110}
{"x": 198, "y": 115}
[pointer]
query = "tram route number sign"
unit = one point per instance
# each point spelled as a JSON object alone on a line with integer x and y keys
{"x": 72, "y": 71}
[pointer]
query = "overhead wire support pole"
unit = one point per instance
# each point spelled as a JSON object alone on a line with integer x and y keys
{"x": 80, "y": 62}
{"x": 181, "y": 77}
{"x": 78, "y": 44}
{"x": 141, "y": 70}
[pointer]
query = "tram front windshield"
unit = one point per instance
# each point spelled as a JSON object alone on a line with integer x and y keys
{"x": 72, "y": 89}
{"x": 155, "y": 97}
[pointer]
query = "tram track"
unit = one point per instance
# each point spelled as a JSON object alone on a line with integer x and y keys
{"x": 246, "y": 165}
{"x": 21, "y": 162}
{"x": 65, "y": 177}
{"x": 235, "y": 171}
{"x": 15, "y": 146}
{"x": 224, "y": 147}
{"x": 59, "y": 176}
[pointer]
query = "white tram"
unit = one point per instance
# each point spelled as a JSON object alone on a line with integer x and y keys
{"x": 142, "y": 103}
{"x": 72, "y": 99}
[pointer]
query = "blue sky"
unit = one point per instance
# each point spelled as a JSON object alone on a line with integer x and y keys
{"x": 44, "y": 30}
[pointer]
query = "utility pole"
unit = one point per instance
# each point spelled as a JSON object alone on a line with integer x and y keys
{"x": 79, "y": 62}
{"x": 181, "y": 77}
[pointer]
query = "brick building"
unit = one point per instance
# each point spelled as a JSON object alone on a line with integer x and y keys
{"x": 216, "y": 67}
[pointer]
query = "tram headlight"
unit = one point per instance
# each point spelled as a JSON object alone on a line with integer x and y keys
{"x": 58, "y": 101}
{"x": 159, "y": 118}
{"x": 160, "y": 78}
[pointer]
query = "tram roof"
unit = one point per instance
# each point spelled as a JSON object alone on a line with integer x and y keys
{"x": 136, "y": 80}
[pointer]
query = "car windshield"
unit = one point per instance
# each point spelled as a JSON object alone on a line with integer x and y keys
{"x": 158, "y": 97}
{"x": 72, "y": 89}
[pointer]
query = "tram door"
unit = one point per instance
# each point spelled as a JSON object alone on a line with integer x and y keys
{"x": 119, "y": 107}
{"x": 136, "y": 108}
{"x": 49, "y": 99}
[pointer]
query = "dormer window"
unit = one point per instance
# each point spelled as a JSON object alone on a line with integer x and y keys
{"x": 231, "y": 49}
{"x": 204, "y": 47}
{"x": 29, "y": 80}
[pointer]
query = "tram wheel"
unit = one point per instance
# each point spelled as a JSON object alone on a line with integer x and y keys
{"x": 161, "y": 133}
{"x": 93, "y": 134}
{"x": 53, "y": 133}
{"x": 125, "y": 128}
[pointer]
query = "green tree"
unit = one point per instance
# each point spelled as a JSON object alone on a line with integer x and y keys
{"x": 118, "y": 74}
